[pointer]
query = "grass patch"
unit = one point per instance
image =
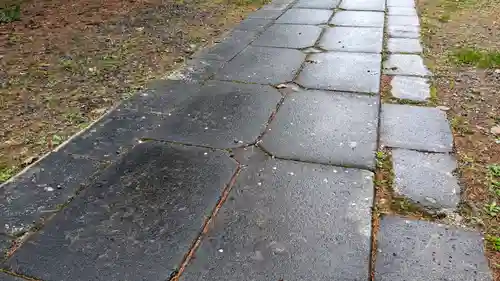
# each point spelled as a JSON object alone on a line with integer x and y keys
{"x": 10, "y": 13}
{"x": 494, "y": 242}
{"x": 6, "y": 173}
{"x": 475, "y": 57}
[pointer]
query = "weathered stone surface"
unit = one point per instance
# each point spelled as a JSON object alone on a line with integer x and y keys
{"x": 403, "y": 20}
{"x": 402, "y": 11}
{"x": 38, "y": 192}
{"x": 405, "y": 64}
{"x": 269, "y": 14}
{"x": 196, "y": 70}
{"x": 404, "y": 45}
{"x": 404, "y": 31}
{"x": 263, "y": 65}
{"x": 410, "y": 88}
{"x": 135, "y": 222}
{"x": 352, "y": 39}
{"x": 426, "y": 178}
{"x": 289, "y": 36}
{"x": 305, "y": 16}
{"x": 277, "y": 5}
{"x": 227, "y": 49}
{"x": 285, "y": 220}
{"x": 401, "y": 3}
{"x": 353, "y": 72}
{"x": 5, "y": 244}
{"x": 422, "y": 250}
{"x": 254, "y": 24}
{"x": 356, "y": 18}
{"x": 5, "y": 277}
{"x": 415, "y": 127}
{"x": 374, "y": 5}
{"x": 325, "y": 127}
{"x": 317, "y": 4}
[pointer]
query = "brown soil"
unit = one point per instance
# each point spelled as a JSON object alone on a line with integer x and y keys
{"x": 66, "y": 62}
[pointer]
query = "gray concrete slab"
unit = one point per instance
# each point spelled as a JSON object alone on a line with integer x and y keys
{"x": 234, "y": 43}
{"x": 353, "y": 72}
{"x": 405, "y": 64}
{"x": 135, "y": 222}
{"x": 305, "y": 16}
{"x": 410, "y": 88}
{"x": 422, "y": 250}
{"x": 426, "y": 178}
{"x": 289, "y": 36}
{"x": 401, "y": 3}
{"x": 254, "y": 24}
{"x": 352, "y": 39}
{"x": 415, "y": 127}
{"x": 269, "y": 14}
{"x": 317, "y": 4}
{"x": 263, "y": 65}
{"x": 404, "y": 45}
{"x": 325, "y": 127}
{"x": 358, "y": 18}
{"x": 293, "y": 221}
{"x": 402, "y": 11}
{"x": 363, "y": 5}
{"x": 5, "y": 243}
{"x": 196, "y": 70}
{"x": 403, "y": 20}
{"x": 403, "y": 31}
{"x": 5, "y": 277}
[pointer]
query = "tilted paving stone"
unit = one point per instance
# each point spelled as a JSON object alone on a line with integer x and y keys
{"x": 196, "y": 70}
{"x": 422, "y": 250}
{"x": 325, "y": 127}
{"x": 5, "y": 277}
{"x": 305, "y": 16}
{"x": 230, "y": 47}
{"x": 352, "y": 39}
{"x": 289, "y": 36}
{"x": 403, "y": 31}
{"x": 358, "y": 18}
{"x": 353, "y": 72}
{"x": 374, "y": 5}
{"x": 252, "y": 24}
{"x": 135, "y": 222}
{"x": 263, "y": 65}
{"x": 415, "y": 127}
{"x": 404, "y": 45}
{"x": 403, "y": 20}
{"x": 286, "y": 220}
{"x": 401, "y": 3}
{"x": 410, "y": 88}
{"x": 401, "y": 11}
{"x": 269, "y": 14}
{"x": 426, "y": 178}
{"x": 317, "y": 4}
{"x": 405, "y": 64}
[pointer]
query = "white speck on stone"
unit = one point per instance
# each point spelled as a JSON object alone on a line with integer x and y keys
{"x": 206, "y": 128}
{"x": 259, "y": 183}
{"x": 335, "y": 171}
{"x": 353, "y": 204}
{"x": 325, "y": 180}
{"x": 224, "y": 117}
{"x": 291, "y": 173}
{"x": 274, "y": 168}
{"x": 48, "y": 188}
{"x": 353, "y": 144}
{"x": 368, "y": 177}
{"x": 206, "y": 153}
{"x": 221, "y": 251}
{"x": 170, "y": 114}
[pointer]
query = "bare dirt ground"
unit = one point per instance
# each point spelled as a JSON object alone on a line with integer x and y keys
{"x": 64, "y": 63}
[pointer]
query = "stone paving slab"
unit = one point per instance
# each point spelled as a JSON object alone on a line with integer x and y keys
{"x": 135, "y": 222}
{"x": 5, "y": 277}
{"x": 410, "y": 88}
{"x": 289, "y": 36}
{"x": 404, "y": 45}
{"x": 373, "y": 5}
{"x": 317, "y": 4}
{"x": 403, "y": 20}
{"x": 325, "y": 127}
{"x": 401, "y": 11}
{"x": 401, "y": 3}
{"x": 405, "y": 64}
{"x": 305, "y": 16}
{"x": 353, "y": 72}
{"x": 352, "y": 39}
{"x": 196, "y": 70}
{"x": 403, "y": 31}
{"x": 358, "y": 18}
{"x": 269, "y": 14}
{"x": 426, "y": 178}
{"x": 254, "y": 24}
{"x": 236, "y": 41}
{"x": 422, "y": 250}
{"x": 5, "y": 243}
{"x": 291, "y": 221}
{"x": 415, "y": 127}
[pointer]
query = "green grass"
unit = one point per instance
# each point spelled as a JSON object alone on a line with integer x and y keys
{"x": 476, "y": 57}
{"x": 494, "y": 242}
{"x": 6, "y": 173}
{"x": 10, "y": 14}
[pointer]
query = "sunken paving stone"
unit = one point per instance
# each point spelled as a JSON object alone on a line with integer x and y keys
{"x": 410, "y": 88}
{"x": 135, "y": 222}
{"x": 251, "y": 24}
{"x": 236, "y": 41}
{"x": 352, "y": 39}
{"x": 426, "y": 178}
{"x": 358, "y": 18}
{"x": 353, "y": 72}
{"x": 415, "y": 127}
{"x": 39, "y": 192}
{"x": 269, "y": 14}
{"x": 317, "y": 4}
{"x": 403, "y": 20}
{"x": 325, "y": 127}
{"x": 405, "y": 64}
{"x": 423, "y": 250}
{"x": 403, "y": 31}
{"x": 305, "y": 16}
{"x": 401, "y": 3}
{"x": 402, "y": 11}
{"x": 6, "y": 277}
{"x": 404, "y": 45}
{"x": 289, "y": 36}
{"x": 373, "y": 5}
{"x": 263, "y": 65}
{"x": 287, "y": 220}
{"x": 196, "y": 70}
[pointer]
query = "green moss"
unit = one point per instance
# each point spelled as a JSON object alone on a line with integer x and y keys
{"x": 476, "y": 57}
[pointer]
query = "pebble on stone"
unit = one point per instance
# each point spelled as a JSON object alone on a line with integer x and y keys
{"x": 403, "y": 31}
{"x": 410, "y": 88}
{"x": 288, "y": 36}
{"x": 317, "y": 4}
{"x": 352, "y": 39}
{"x": 403, "y": 20}
{"x": 373, "y": 5}
{"x": 401, "y": 3}
{"x": 305, "y": 16}
{"x": 358, "y": 18}
{"x": 404, "y": 45}
{"x": 405, "y": 64}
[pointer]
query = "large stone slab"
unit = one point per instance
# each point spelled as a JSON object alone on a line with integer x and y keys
{"x": 5, "y": 277}
{"x": 269, "y": 14}
{"x": 263, "y": 65}
{"x": 374, "y": 5}
{"x": 401, "y": 3}
{"x": 403, "y": 31}
{"x": 254, "y": 24}
{"x": 415, "y": 127}
{"x": 402, "y": 11}
{"x": 135, "y": 222}
{"x": 353, "y": 72}
{"x": 403, "y": 20}
{"x": 305, "y": 16}
{"x": 285, "y": 220}
{"x": 426, "y": 178}
{"x": 405, "y": 64}
{"x": 358, "y": 18}
{"x": 325, "y": 127}
{"x": 236, "y": 41}
{"x": 422, "y": 250}
{"x": 289, "y": 36}
{"x": 404, "y": 45}
{"x": 410, "y": 88}
{"x": 196, "y": 70}
{"x": 317, "y": 4}
{"x": 352, "y": 39}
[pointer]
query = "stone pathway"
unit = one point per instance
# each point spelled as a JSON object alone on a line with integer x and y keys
{"x": 255, "y": 162}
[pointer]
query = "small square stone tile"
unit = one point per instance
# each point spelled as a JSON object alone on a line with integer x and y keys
{"x": 401, "y": 3}
{"x": 415, "y": 127}
{"x": 352, "y": 39}
{"x": 402, "y": 11}
{"x": 317, "y": 4}
{"x": 358, "y": 18}
{"x": 289, "y": 36}
{"x": 405, "y": 64}
{"x": 426, "y": 178}
{"x": 266, "y": 14}
{"x": 305, "y": 16}
{"x": 352, "y": 72}
{"x": 253, "y": 24}
{"x": 404, "y": 31}
{"x": 404, "y": 45}
{"x": 403, "y": 20}
{"x": 410, "y": 88}
{"x": 325, "y": 127}
{"x": 263, "y": 65}
{"x": 423, "y": 250}
{"x": 236, "y": 41}
{"x": 360, "y": 5}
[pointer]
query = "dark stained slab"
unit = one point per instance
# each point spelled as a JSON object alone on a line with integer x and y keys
{"x": 290, "y": 221}
{"x": 236, "y": 41}
{"x": 358, "y": 18}
{"x": 253, "y": 24}
{"x": 288, "y": 36}
{"x": 135, "y": 222}
{"x": 305, "y": 16}
{"x": 196, "y": 70}
{"x": 422, "y": 250}
{"x": 269, "y": 14}
{"x": 340, "y": 71}
{"x": 325, "y": 127}
{"x": 317, "y": 4}
{"x": 5, "y": 277}
{"x": 352, "y": 39}
{"x": 263, "y": 65}
{"x": 363, "y": 5}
